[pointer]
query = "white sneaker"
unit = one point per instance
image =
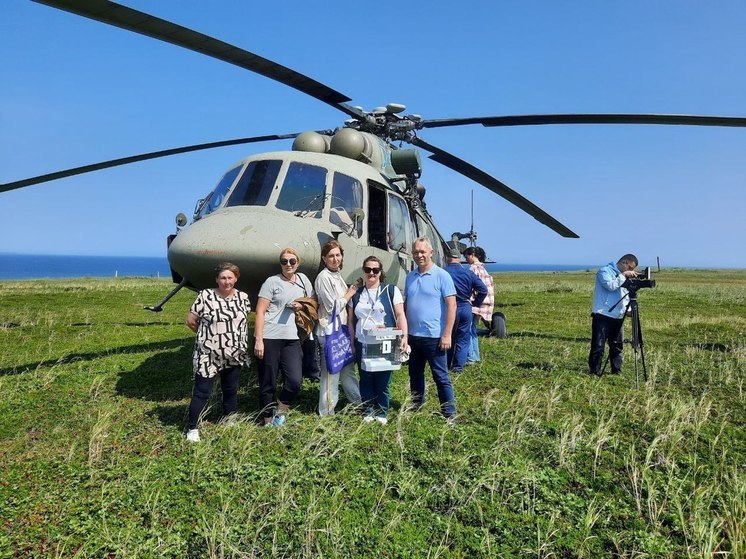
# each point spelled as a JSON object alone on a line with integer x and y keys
{"x": 382, "y": 420}
{"x": 193, "y": 435}
{"x": 368, "y": 418}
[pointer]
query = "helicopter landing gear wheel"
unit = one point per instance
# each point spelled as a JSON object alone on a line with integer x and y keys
{"x": 498, "y": 328}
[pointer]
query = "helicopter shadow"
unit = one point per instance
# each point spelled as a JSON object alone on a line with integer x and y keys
{"x": 135, "y": 324}
{"x": 89, "y": 356}
{"x": 167, "y": 378}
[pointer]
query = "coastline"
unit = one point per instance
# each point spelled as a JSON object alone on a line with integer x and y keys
{"x": 33, "y": 266}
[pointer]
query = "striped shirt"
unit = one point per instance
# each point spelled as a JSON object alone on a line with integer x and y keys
{"x": 487, "y": 307}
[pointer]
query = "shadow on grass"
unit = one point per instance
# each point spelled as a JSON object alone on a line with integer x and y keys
{"x": 166, "y": 377}
{"x": 136, "y": 324}
{"x": 88, "y": 356}
{"x": 578, "y": 339}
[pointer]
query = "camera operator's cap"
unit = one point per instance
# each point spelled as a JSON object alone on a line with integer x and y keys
{"x": 454, "y": 253}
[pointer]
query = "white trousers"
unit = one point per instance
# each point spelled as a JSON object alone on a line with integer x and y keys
{"x": 329, "y": 384}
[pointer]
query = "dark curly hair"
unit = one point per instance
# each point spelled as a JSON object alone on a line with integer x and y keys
{"x": 476, "y": 251}
{"x": 372, "y": 258}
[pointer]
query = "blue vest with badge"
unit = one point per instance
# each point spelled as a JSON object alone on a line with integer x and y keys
{"x": 387, "y": 302}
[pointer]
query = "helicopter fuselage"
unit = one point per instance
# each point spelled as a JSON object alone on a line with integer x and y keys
{"x": 299, "y": 199}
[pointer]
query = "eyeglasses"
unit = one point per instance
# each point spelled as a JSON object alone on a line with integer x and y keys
{"x": 286, "y": 261}
{"x": 368, "y": 270}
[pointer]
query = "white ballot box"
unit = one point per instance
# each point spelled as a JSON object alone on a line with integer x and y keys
{"x": 382, "y": 350}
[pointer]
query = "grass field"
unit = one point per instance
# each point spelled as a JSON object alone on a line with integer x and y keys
{"x": 544, "y": 462}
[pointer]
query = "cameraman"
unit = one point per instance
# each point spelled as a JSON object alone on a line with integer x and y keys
{"x": 610, "y": 301}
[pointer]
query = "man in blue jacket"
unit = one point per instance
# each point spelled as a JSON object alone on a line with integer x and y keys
{"x": 467, "y": 285}
{"x": 610, "y": 301}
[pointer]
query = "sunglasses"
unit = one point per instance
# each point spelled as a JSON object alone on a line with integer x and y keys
{"x": 368, "y": 270}
{"x": 286, "y": 261}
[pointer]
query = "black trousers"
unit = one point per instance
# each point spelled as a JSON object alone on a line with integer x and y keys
{"x": 606, "y": 330}
{"x": 280, "y": 357}
{"x": 203, "y": 389}
{"x": 311, "y": 363}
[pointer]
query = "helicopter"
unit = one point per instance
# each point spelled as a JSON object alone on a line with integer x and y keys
{"x": 355, "y": 182}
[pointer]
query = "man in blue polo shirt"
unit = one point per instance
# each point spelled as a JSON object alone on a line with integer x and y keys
{"x": 431, "y": 310}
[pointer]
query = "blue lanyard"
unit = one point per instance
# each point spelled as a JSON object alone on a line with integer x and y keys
{"x": 371, "y": 300}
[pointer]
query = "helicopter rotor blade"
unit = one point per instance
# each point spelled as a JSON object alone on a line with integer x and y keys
{"x": 499, "y": 188}
{"x": 163, "y": 30}
{"x": 142, "y": 157}
{"x": 609, "y": 118}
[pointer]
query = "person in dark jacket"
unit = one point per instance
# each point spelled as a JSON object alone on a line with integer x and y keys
{"x": 470, "y": 291}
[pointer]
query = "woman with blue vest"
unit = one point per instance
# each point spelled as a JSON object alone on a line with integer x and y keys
{"x": 375, "y": 305}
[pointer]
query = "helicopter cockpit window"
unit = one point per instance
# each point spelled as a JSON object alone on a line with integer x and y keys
{"x": 256, "y": 183}
{"x": 347, "y": 195}
{"x": 399, "y": 236}
{"x": 216, "y": 197}
{"x": 304, "y": 190}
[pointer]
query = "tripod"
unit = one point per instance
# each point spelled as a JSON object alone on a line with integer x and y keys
{"x": 637, "y": 342}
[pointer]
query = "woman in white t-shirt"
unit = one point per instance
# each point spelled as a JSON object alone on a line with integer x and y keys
{"x": 375, "y": 305}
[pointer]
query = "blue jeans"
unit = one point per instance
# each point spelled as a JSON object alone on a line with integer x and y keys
{"x": 461, "y": 338}
{"x": 374, "y": 387}
{"x": 473, "y": 353}
{"x": 427, "y": 350}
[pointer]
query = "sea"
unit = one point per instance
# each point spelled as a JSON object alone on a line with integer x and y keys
{"x": 34, "y": 266}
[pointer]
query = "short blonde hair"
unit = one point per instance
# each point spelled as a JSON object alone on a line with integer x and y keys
{"x": 290, "y": 250}
{"x": 422, "y": 241}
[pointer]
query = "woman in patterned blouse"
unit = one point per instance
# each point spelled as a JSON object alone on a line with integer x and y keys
{"x": 219, "y": 318}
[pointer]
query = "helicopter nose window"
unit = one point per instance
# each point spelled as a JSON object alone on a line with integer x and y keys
{"x": 213, "y": 201}
{"x": 256, "y": 183}
{"x": 303, "y": 190}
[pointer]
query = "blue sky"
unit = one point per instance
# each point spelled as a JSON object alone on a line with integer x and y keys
{"x": 76, "y": 91}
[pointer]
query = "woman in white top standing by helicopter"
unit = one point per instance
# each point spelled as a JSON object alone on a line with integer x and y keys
{"x": 377, "y": 304}
{"x": 331, "y": 289}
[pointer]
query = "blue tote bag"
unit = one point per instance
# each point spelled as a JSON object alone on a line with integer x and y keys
{"x": 338, "y": 344}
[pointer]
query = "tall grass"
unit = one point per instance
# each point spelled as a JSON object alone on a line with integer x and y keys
{"x": 544, "y": 462}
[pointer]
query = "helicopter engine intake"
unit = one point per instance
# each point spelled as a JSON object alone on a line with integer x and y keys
{"x": 313, "y": 142}
{"x": 351, "y": 144}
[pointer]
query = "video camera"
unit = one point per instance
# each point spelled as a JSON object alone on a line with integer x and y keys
{"x": 643, "y": 279}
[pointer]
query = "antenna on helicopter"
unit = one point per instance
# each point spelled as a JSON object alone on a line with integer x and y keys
{"x": 471, "y": 234}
